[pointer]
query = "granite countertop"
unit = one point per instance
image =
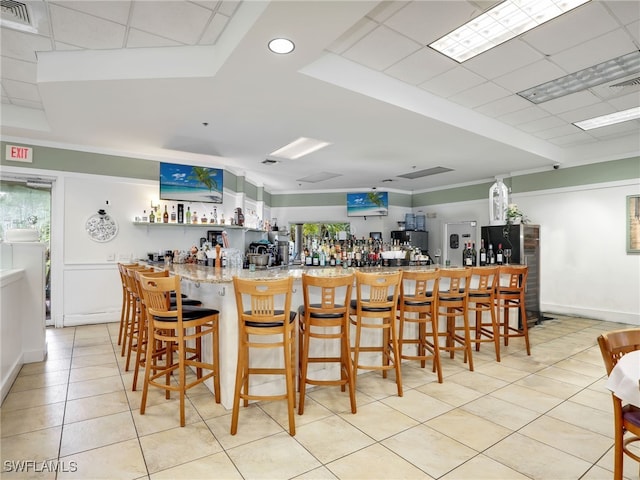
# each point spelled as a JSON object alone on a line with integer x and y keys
{"x": 206, "y": 274}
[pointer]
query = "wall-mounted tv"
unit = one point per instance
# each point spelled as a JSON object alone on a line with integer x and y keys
{"x": 367, "y": 204}
{"x": 190, "y": 184}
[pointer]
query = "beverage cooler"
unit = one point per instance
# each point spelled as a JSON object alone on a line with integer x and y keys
{"x": 524, "y": 241}
{"x": 414, "y": 238}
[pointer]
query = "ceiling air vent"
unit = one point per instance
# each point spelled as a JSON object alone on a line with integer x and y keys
{"x": 426, "y": 172}
{"x": 15, "y": 15}
{"x": 627, "y": 83}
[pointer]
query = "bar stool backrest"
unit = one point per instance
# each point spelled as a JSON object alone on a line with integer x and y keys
{"x": 458, "y": 283}
{"x": 335, "y": 293}
{"x": 516, "y": 280}
{"x": 383, "y": 290}
{"x": 420, "y": 286}
{"x": 156, "y": 292}
{"x": 269, "y": 300}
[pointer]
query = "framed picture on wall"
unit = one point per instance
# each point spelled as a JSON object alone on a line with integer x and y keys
{"x": 633, "y": 224}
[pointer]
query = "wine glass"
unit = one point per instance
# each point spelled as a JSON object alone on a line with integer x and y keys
{"x": 507, "y": 255}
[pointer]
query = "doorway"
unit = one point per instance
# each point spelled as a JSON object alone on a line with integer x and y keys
{"x": 26, "y": 203}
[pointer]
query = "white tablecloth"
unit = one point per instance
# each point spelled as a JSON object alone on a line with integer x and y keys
{"x": 624, "y": 380}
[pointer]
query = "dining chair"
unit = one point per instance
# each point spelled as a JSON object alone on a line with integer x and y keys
{"x": 418, "y": 308}
{"x": 626, "y": 418}
{"x": 323, "y": 322}
{"x": 175, "y": 327}
{"x": 374, "y": 310}
{"x": 510, "y": 295}
{"x": 265, "y": 322}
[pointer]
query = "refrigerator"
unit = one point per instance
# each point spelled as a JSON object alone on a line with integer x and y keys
{"x": 414, "y": 238}
{"x": 524, "y": 241}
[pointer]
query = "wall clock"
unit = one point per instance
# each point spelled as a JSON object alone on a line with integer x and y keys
{"x": 101, "y": 227}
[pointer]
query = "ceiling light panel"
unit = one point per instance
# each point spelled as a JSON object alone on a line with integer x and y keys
{"x": 611, "y": 119}
{"x": 593, "y": 76}
{"x": 319, "y": 177}
{"x": 299, "y": 148}
{"x": 426, "y": 172}
{"x": 503, "y": 22}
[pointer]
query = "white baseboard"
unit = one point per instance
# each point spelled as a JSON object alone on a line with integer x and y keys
{"x": 7, "y": 382}
{"x": 607, "y": 315}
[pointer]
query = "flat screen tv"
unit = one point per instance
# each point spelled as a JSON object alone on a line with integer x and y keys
{"x": 190, "y": 184}
{"x": 367, "y": 204}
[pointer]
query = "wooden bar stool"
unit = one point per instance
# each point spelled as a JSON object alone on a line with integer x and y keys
{"x": 377, "y": 298}
{"x": 265, "y": 321}
{"x": 418, "y": 305}
{"x": 323, "y": 321}
{"x": 510, "y": 296}
{"x": 174, "y": 327}
{"x": 126, "y": 299}
{"x": 453, "y": 302}
{"x": 482, "y": 295}
{"x": 134, "y": 310}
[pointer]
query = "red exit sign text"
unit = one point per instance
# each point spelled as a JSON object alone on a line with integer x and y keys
{"x": 19, "y": 154}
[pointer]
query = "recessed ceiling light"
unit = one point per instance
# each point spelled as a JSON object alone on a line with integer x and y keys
{"x": 604, "y": 72}
{"x": 299, "y": 148}
{"x": 611, "y": 119}
{"x": 503, "y": 22}
{"x": 281, "y": 45}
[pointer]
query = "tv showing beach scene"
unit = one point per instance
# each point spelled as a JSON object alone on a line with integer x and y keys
{"x": 190, "y": 184}
{"x": 367, "y": 204}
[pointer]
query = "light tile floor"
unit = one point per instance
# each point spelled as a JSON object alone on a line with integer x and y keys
{"x": 547, "y": 416}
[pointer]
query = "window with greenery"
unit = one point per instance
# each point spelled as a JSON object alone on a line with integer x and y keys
{"x": 25, "y": 207}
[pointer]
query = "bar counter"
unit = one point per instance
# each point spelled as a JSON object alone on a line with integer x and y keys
{"x": 214, "y": 288}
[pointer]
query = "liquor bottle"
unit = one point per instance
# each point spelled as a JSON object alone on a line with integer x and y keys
{"x": 173, "y": 214}
{"x": 214, "y": 217}
{"x": 499, "y": 255}
{"x": 152, "y": 217}
{"x": 466, "y": 255}
{"x": 188, "y": 215}
{"x": 483, "y": 253}
{"x": 165, "y": 215}
{"x": 194, "y": 217}
{"x": 491, "y": 255}
{"x": 474, "y": 255}
{"x": 145, "y": 217}
{"x": 203, "y": 219}
{"x": 181, "y": 213}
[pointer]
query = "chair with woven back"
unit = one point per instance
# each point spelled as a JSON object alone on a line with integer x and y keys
{"x": 626, "y": 418}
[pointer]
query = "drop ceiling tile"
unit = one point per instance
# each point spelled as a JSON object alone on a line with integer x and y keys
{"x": 83, "y": 30}
{"x": 634, "y": 31}
{"x": 571, "y": 29}
{"x": 37, "y": 105}
{"x": 420, "y": 66}
{"x": 20, "y": 70}
{"x": 61, "y": 46}
{"x": 579, "y": 138}
{"x": 384, "y": 10}
{"x": 503, "y": 59}
{"x": 558, "y": 131}
{"x": 109, "y": 10}
{"x": 530, "y": 76}
{"x": 480, "y": 95}
{"x": 503, "y": 106}
{"x": 584, "y": 113}
{"x": 214, "y": 29}
{"x": 354, "y": 34}
{"x": 424, "y": 22}
{"x": 542, "y": 124}
{"x": 22, "y": 46}
{"x": 208, "y": 4}
{"x": 569, "y": 102}
{"x": 381, "y": 48}
{"x": 626, "y": 101}
{"x": 228, "y": 7}
{"x": 522, "y": 116}
{"x": 139, "y": 39}
{"x": 598, "y": 50}
{"x": 452, "y": 82}
{"x": 180, "y": 21}
{"x": 626, "y": 12}
{"x": 21, "y": 90}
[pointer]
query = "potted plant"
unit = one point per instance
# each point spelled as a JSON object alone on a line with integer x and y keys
{"x": 515, "y": 215}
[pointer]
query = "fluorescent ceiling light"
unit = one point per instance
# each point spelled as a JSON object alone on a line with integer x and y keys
{"x": 319, "y": 177}
{"x": 611, "y": 119}
{"x": 299, "y": 148}
{"x": 604, "y": 72}
{"x": 499, "y": 24}
{"x": 281, "y": 45}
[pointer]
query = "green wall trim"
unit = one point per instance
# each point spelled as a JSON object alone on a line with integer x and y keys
{"x": 452, "y": 195}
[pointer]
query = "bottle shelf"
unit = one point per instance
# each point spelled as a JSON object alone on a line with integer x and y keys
{"x": 210, "y": 226}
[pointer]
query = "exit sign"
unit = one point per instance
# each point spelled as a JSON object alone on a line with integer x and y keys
{"x": 19, "y": 154}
